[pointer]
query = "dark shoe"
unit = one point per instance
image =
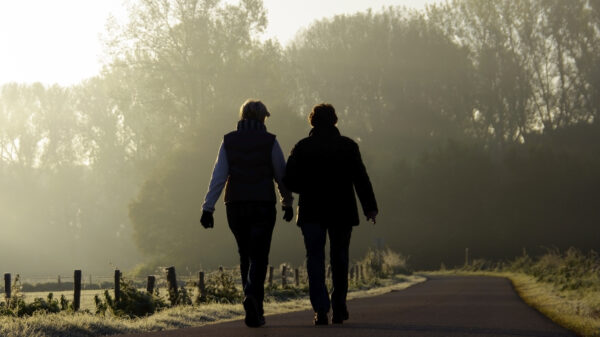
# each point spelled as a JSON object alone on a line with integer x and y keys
{"x": 252, "y": 317}
{"x": 340, "y": 317}
{"x": 321, "y": 318}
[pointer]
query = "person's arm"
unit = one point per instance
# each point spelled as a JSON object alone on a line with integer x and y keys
{"x": 217, "y": 181}
{"x": 292, "y": 175}
{"x": 362, "y": 185}
{"x": 278, "y": 160}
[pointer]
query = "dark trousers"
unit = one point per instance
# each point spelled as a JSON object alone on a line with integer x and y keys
{"x": 252, "y": 225}
{"x": 315, "y": 237}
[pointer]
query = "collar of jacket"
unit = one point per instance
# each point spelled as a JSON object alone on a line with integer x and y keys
{"x": 251, "y": 124}
{"x": 324, "y": 131}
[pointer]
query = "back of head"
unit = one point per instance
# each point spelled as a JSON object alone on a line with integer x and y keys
{"x": 254, "y": 109}
{"x": 323, "y": 116}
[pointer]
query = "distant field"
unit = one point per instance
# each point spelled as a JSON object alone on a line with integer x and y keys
{"x": 87, "y": 296}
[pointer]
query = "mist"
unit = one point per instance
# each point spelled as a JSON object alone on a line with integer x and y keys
{"x": 477, "y": 122}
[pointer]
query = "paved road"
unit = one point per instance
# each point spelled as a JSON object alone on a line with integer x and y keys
{"x": 442, "y": 306}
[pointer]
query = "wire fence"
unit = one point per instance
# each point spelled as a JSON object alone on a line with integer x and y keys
{"x": 285, "y": 275}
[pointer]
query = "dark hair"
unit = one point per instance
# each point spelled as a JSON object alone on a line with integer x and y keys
{"x": 323, "y": 115}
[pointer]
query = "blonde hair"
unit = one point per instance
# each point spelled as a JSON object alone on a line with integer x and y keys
{"x": 254, "y": 109}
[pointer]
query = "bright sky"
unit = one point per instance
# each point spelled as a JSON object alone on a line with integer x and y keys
{"x": 58, "y": 41}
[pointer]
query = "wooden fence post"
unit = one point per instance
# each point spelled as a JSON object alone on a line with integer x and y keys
{"x": 201, "y": 285}
{"x": 172, "y": 284}
{"x": 77, "y": 290}
{"x": 466, "y": 256}
{"x": 284, "y": 276}
{"x": 361, "y": 274}
{"x": 7, "y": 285}
{"x": 150, "y": 284}
{"x": 117, "y": 285}
{"x": 297, "y": 276}
{"x": 270, "y": 275}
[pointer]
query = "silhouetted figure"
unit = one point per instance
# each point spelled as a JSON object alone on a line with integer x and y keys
{"x": 325, "y": 168}
{"x": 248, "y": 161}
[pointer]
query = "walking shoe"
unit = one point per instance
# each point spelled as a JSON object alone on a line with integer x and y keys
{"x": 321, "y": 318}
{"x": 253, "y": 319}
{"x": 339, "y": 317}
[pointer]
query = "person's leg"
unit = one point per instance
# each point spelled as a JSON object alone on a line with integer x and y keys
{"x": 339, "y": 239}
{"x": 241, "y": 231}
{"x": 241, "y": 218}
{"x": 261, "y": 232}
{"x": 314, "y": 241}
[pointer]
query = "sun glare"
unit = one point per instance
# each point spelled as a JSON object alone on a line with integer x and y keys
{"x": 59, "y": 41}
{"x": 52, "y": 41}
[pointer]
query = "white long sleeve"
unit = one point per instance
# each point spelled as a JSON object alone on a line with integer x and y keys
{"x": 217, "y": 181}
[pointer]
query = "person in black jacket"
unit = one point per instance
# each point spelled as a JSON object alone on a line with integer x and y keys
{"x": 249, "y": 159}
{"x": 325, "y": 169}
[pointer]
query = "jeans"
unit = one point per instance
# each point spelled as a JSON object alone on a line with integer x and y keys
{"x": 315, "y": 237}
{"x": 252, "y": 225}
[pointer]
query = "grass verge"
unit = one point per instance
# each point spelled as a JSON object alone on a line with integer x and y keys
{"x": 86, "y": 324}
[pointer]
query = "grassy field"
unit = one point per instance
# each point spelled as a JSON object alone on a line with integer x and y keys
{"x": 86, "y": 324}
{"x": 87, "y": 297}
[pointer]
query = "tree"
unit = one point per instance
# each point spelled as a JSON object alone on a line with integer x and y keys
{"x": 383, "y": 69}
{"x": 198, "y": 61}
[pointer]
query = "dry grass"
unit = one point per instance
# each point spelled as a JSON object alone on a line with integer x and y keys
{"x": 85, "y": 324}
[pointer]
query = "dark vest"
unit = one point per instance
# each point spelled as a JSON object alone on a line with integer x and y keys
{"x": 250, "y": 165}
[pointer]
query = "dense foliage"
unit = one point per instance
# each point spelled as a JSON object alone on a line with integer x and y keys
{"x": 571, "y": 269}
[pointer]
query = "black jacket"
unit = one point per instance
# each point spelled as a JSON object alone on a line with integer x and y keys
{"x": 325, "y": 169}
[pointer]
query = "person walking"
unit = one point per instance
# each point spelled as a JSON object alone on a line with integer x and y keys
{"x": 325, "y": 169}
{"x": 248, "y": 161}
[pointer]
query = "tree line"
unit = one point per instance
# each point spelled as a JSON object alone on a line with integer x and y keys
{"x": 477, "y": 120}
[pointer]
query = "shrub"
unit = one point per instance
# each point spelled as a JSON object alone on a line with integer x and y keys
{"x": 16, "y": 305}
{"x": 132, "y": 302}
{"x": 571, "y": 270}
{"x": 221, "y": 289}
{"x": 180, "y": 297}
{"x": 382, "y": 263}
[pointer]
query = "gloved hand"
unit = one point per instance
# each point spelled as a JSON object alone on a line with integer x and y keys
{"x": 207, "y": 219}
{"x": 372, "y": 216}
{"x": 288, "y": 214}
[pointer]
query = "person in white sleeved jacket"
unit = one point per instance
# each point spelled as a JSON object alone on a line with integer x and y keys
{"x": 249, "y": 160}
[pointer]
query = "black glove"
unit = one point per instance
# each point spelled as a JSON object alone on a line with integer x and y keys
{"x": 207, "y": 219}
{"x": 288, "y": 214}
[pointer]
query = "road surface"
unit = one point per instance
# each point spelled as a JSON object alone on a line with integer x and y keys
{"x": 443, "y": 306}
